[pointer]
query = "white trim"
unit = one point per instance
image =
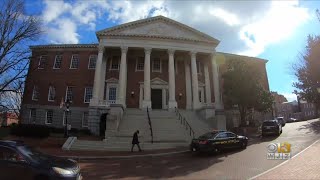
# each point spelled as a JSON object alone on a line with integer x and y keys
{"x": 72, "y": 59}
{"x": 64, "y": 118}
{"x": 46, "y": 120}
{"x": 111, "y": 60}
{"x": 54, "y": 63}
{"x": 85, "y": 92}
{"x": 83, "y": 119}
{"x": 40, "y": 61}
{"x": 65, "y": 97}
{"x": 32, "y": 98}
{"x": 51, "y": 92}
{"x": 89, "y": 61}
{"x": 199, "y": 67}
{"x": 137, "y": 59}
{"x": 112, "y": 85}
{"x": 152, "y": 65}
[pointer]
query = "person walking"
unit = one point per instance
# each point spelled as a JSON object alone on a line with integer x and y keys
{"x": 135, "y": 141}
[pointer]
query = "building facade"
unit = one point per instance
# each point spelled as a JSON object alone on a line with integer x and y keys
{"x": 154, "y": 63}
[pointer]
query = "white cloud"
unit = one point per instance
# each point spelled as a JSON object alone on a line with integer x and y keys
{"x": 290, "y": 96}
{"x": 54, "y": 9}
{"x": 63, "y": 31}
{"x": 227, "y": 17}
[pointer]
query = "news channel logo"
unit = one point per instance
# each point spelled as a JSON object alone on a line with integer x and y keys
{"x": 279, "y": 151}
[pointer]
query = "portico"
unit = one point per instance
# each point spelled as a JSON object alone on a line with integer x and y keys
{"x": 167, "y": 50}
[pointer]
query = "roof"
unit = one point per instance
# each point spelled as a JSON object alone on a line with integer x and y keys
{"x": 54, "y": 46}
{"x": 242, "y": 56}
{"x": 114, "y": 31}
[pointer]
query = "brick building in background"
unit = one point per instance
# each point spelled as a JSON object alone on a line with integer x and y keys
{"x": 154, "y": 63}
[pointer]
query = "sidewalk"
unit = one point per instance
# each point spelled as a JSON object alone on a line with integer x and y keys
{"x": 303, "y": 166}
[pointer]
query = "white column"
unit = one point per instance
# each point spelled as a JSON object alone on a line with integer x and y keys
{"x": 172, "y": 88}
{"x": 195, "y": 88}
{"x": 103, "y": 78}
{"x": 97, "y": 78}
{"x": 188, "y": 85}
{"x": 207, "y": 84}
{"x": 147, "y": 98}
{"x": 216, "y": 86}
{"x": 122, "y": 76}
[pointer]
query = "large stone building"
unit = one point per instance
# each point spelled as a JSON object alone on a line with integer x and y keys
{"x": 154, "y": 63}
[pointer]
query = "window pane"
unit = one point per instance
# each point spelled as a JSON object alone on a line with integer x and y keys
{"x": 88, "y": 94}
{"x": 49, "y": 116}
{"x": 92, "y": 61}
{"x": 35, "y": 93}
{"x": 57, "y": 62}
{"x": 33, "y": 115}
{"x": 69, "y": 95}
{"x": 85, "y": 119}
{"x": 52, "y": 93}
{"x": 74, "y": 62}
{"x": 156, "y": 65}
{"x": 140, "y": 64}
{"x": 112, "y": 94}
{"x": 42, "y": 62}
{"x": 115, "y": 62}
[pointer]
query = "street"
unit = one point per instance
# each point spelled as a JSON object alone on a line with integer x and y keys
{"x": 237, "y": 164}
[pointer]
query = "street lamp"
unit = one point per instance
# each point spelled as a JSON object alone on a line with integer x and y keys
{"x": 67, "y": 104}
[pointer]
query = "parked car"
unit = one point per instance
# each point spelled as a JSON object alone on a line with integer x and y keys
{"x": 218, "y": 140}
{"x": 18, "y": 161}
{"x": 271, "y": 127}
{"x": 282, "y": 121}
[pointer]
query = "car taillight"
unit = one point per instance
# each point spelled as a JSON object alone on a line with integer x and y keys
{"x": 203, "y": 142}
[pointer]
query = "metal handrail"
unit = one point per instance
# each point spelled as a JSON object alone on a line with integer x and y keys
{"x": 184, "y": 122}
{"x": 150, "y": 125}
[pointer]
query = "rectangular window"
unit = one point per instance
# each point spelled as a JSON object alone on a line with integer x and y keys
{"x": 57, "y": 62}
{"x": 92, "y": 62}
{"x": 52, "y": 93}
{"x": 87, "y": 94}
{"x": 66, "y": 117}
{"x": 199, "y": 67}
{"x": 156, "y": 65}
{"x": 114, "y": 65}
{"x": 200, "y": 96}
{"x": 74, "y": 61}
{"x": 140, "y": 64}
{"x": 112, "y": 94}
{"x": 49, "y": 117}
{"x": 35, "y": 93}
{"x": 85, "y": 119}
{"x": 69, "y": 94}
{"x": 42, "y": 62}
{"x": 32, "y": 118}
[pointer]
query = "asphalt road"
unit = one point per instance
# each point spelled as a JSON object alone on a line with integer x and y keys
{"x": 238, "y": 164}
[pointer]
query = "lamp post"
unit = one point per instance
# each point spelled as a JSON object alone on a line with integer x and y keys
{"x": 67, "y": 104}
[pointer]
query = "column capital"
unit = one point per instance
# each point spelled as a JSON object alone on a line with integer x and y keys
{"x": 147, "y": 50}
{"x": 171, "y": 51}
{"x": 213, "y": 54}
{"x": 124, "y": 49}
{"x": 193, "y": 53}
{"x": 101, "y": 48}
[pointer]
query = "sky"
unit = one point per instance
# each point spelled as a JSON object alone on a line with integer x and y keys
{"x": 273, "y": 30}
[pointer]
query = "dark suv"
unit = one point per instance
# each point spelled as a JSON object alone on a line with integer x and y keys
{"x": 282, "y": 121}
{"x": 18, "y": 161}
{"x": 271, "y": 127}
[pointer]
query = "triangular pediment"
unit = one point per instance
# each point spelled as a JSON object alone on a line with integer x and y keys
{"x": 112, "y": 80}
{"x": 158, "y": 27}
{"x": 158, "y": 81}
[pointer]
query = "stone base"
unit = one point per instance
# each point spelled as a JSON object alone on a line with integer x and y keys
{"x": 146, "y": 104}
{"x": 172, "y": 105}
{"x": 221, "y": 120}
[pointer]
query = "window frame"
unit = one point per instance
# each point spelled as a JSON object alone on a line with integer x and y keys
{"x": 137, "y": 63}
{"x": 73, "y": 55}
{"x": 112, "y": 60}
{"x": 83, "y": 115}
{"x": 40, "y": 62}
{"x": 66, "y": 95}
{"x": 31, "y": 120}
{"x": 199, "y": 67}
{"x": 85, "y": 94}
{"x": 160, "y": 61}
{"x": 89, "y": 62}
{"x": 55, "y": 61}
{"x": 50, "y": 91}
{"x": 46, "y": 120}
{"x": 33, "y": 93}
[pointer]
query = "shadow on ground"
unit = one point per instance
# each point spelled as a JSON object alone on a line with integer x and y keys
{"x": 312, "y": 127}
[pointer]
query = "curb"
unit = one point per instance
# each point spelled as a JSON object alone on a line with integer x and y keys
{"x": 123, "y": 157}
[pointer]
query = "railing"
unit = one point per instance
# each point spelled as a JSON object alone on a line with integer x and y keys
{"x": 150, "y": 125}
{"x": 184, "y": 122}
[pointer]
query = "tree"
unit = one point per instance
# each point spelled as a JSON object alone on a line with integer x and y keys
{"x": 17, "y": 31}
{"x": 307, "y": 72}
{"x": 241, "y": 88}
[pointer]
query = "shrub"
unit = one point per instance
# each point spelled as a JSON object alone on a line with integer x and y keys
{"x": 30, "y": 130}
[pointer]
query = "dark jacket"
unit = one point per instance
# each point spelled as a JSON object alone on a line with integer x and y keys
{"x": 135, "y": 139}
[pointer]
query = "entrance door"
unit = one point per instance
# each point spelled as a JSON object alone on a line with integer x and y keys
{"x": 156, "y": 98}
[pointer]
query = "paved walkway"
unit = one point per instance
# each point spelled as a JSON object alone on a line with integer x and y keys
{"x": 305, "y": 165}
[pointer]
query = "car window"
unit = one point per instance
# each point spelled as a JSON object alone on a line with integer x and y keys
{"x": 231, "y": 135}
{"x": 9, "y": 155}
{"x": 207, "y": 135}
{"x": 222, "y": 135}
{"x": 269, "y": 123}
